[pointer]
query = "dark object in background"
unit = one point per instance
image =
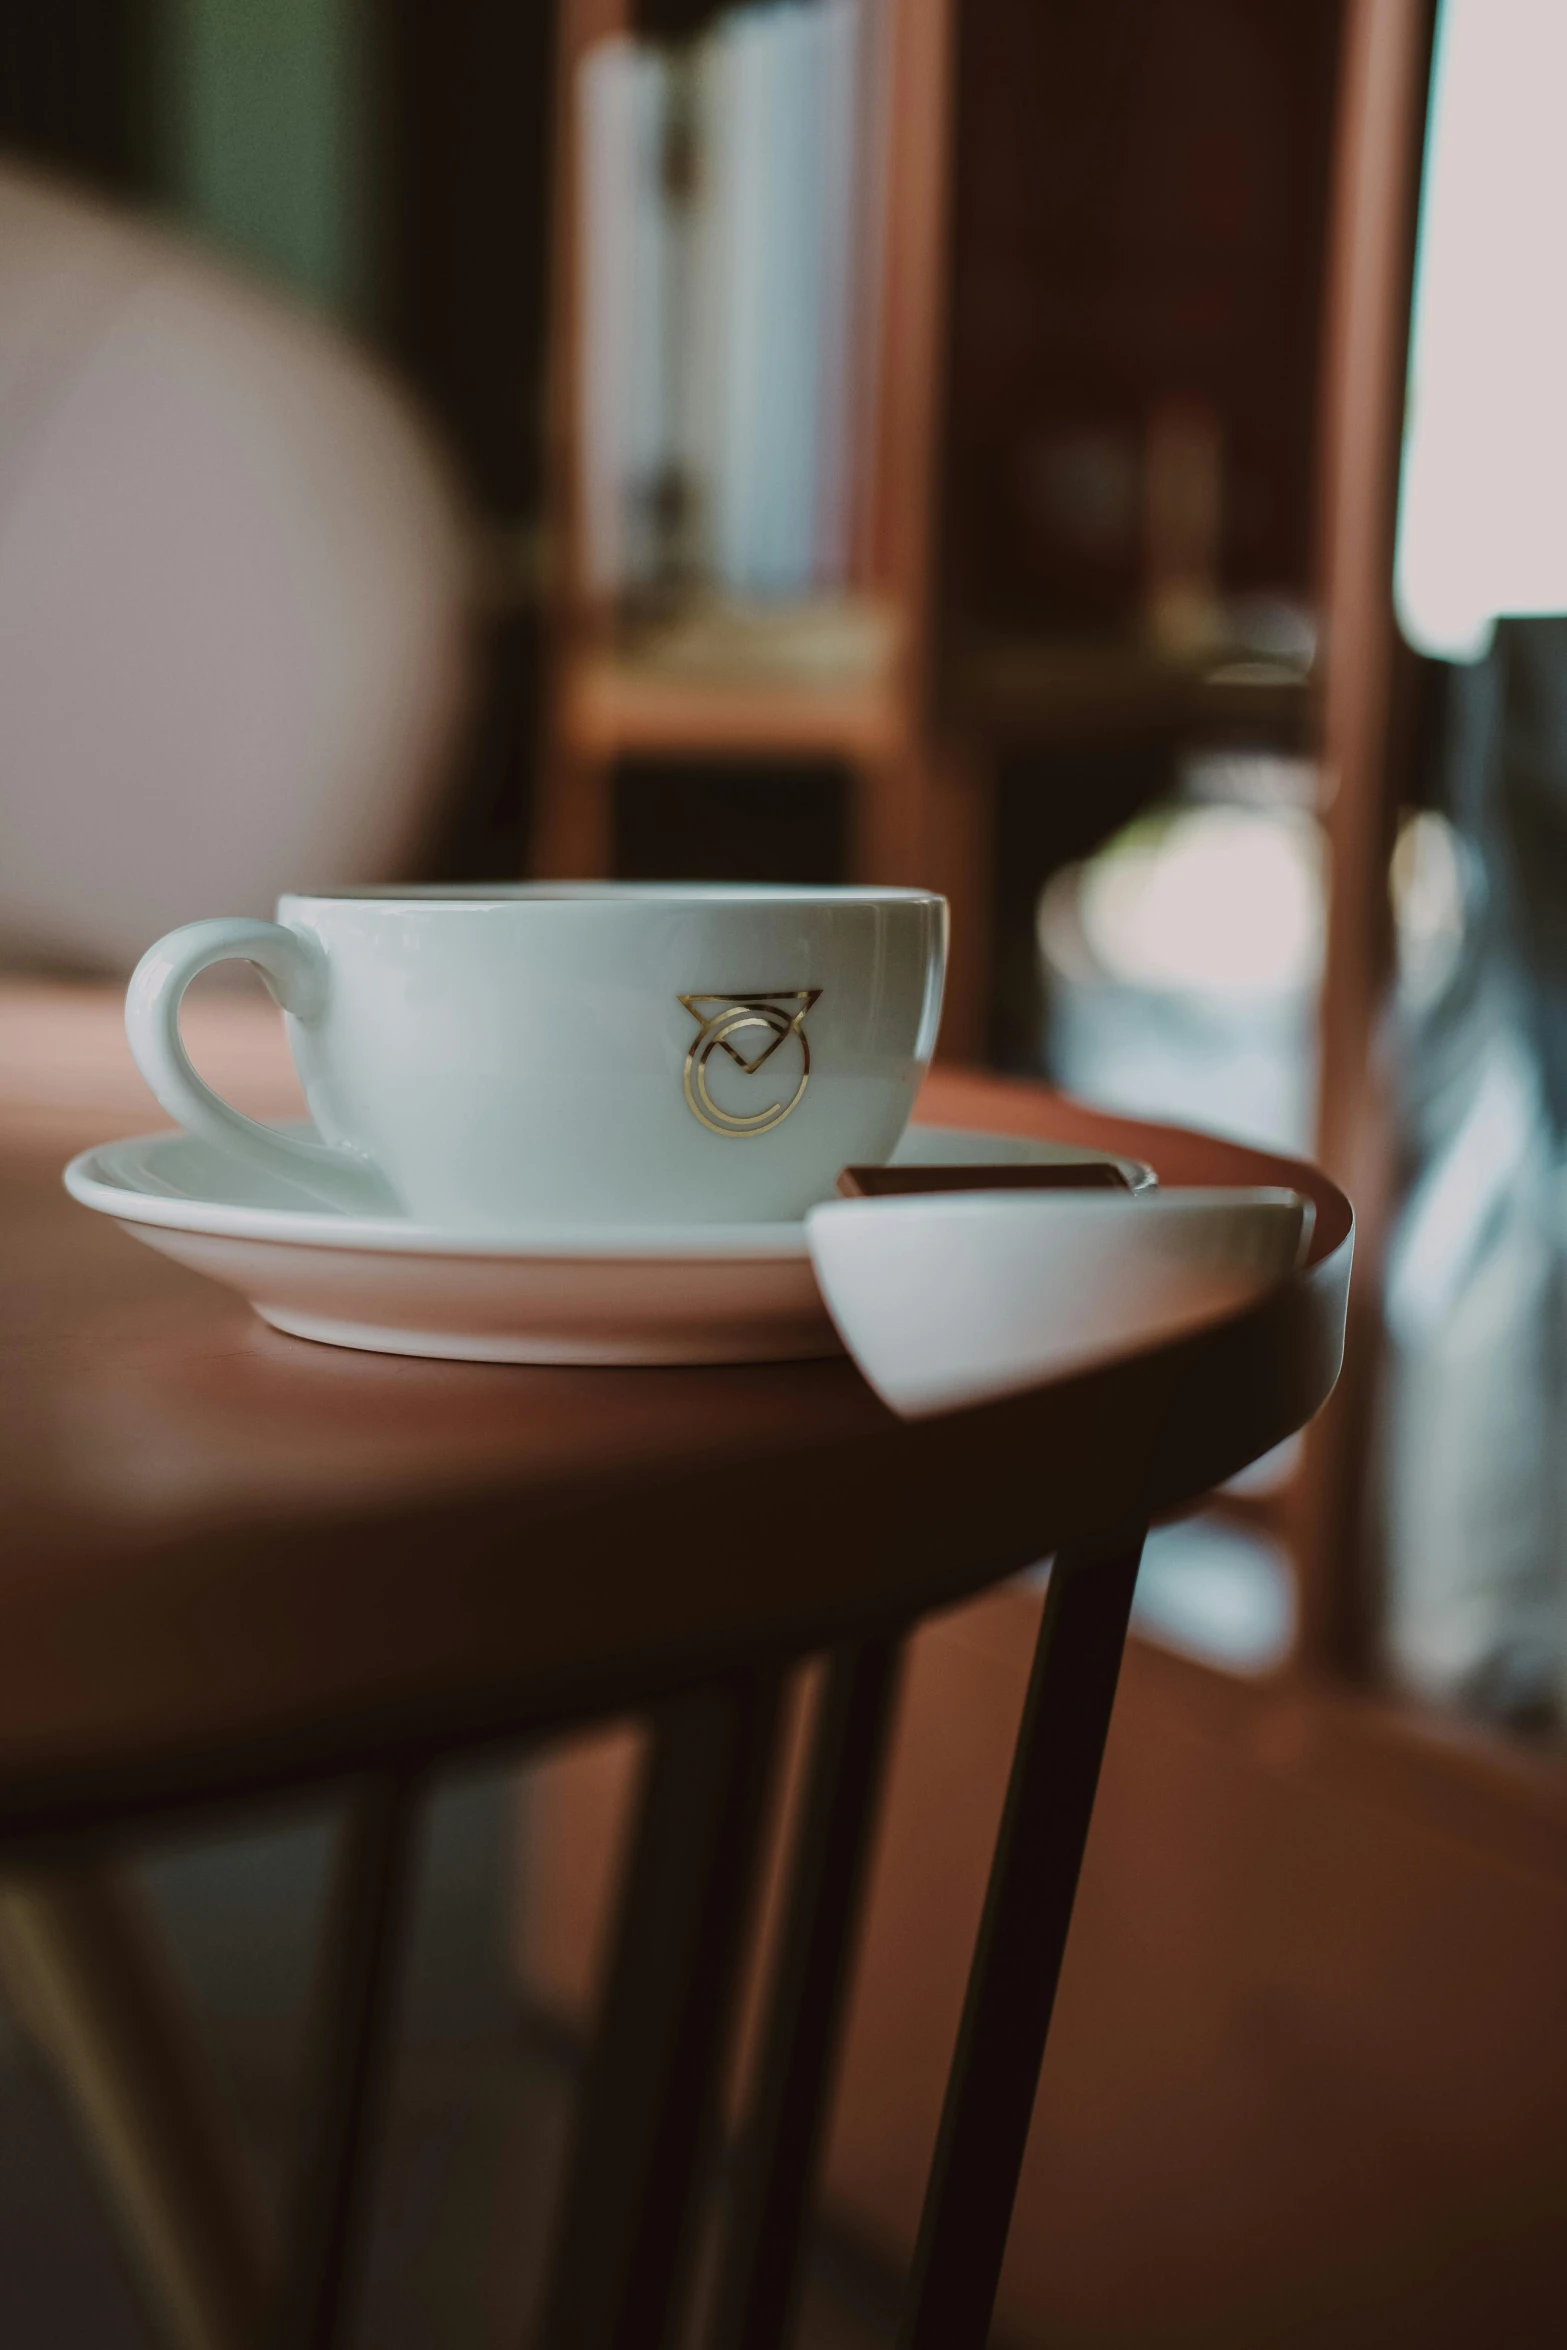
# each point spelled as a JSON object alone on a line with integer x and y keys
{"x": 73, "y": 89}
{"x": 1528, "y": 829}
{"x": 1139, "y": 221}
{"x": 466, "y": 128}
{"x": 731, "y": 820}
{"x": 461, "y": 267}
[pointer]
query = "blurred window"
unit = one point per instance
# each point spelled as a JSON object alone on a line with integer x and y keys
{"x": 1483, "y": 511}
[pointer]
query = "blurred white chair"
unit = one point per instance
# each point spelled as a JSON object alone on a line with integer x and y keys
{"x": 234, "y": 597}
{"x": 233, "y": 593}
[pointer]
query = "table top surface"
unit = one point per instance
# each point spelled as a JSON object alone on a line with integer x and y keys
{"x": 236, "y": 1562}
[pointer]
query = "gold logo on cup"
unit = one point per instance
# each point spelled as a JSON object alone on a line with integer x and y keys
{"x": 749, "y": 1028}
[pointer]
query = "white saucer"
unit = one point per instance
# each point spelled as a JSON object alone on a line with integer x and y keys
{"x": 729, "y": 1293}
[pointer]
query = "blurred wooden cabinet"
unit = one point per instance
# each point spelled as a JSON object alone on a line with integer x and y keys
{"x": 913, "y": 818}
{"x": 1093, "y": 349}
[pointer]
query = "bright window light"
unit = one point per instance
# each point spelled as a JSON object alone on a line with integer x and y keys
{"x": 1224, "y": 900}
{"x": 1483, "y": 508}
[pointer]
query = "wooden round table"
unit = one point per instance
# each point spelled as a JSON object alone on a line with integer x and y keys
{"x": 239, "y": 1564}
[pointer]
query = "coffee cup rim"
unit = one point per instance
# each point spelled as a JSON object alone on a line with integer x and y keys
{"x": 576, "y": 893}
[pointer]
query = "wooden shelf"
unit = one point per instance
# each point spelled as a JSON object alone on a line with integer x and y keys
{"x": 1047, "y": 691}
{"x": 611, "y": 704}
{"x": 1012, "y": 691}
{"x": 840, "y": 678}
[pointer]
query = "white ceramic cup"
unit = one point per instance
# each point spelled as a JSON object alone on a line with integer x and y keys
{"x": 486, "y": 1059}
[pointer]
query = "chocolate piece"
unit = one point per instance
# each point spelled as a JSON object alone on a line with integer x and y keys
{"x": 1059, "y": 1175}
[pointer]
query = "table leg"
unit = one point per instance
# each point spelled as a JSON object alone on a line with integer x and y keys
{"x": 86, "y": 1974}
{"x": 781, "y": 2138}
{"x": 634, "y": 2189}
{"x": 1017, "y": 1957}
{"x": 354, "y": 2032}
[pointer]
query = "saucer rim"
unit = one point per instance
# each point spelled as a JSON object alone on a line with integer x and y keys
{"x": 334, "y": 1228}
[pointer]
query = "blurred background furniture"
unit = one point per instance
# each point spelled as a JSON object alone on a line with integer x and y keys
{"x": 1069, "y": 535}
{"x": 318, "y": 1585}
{"x": 833, "y": 659}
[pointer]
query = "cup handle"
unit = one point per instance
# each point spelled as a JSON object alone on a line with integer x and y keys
{"x": 293, "y": 964}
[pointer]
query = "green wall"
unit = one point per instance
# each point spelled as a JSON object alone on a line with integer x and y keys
{"x": 262, "y": 114}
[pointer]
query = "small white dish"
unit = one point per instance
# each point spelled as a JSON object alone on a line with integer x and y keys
{"x": 654, "y": 1293}
{"x": 951, "y": 1299}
